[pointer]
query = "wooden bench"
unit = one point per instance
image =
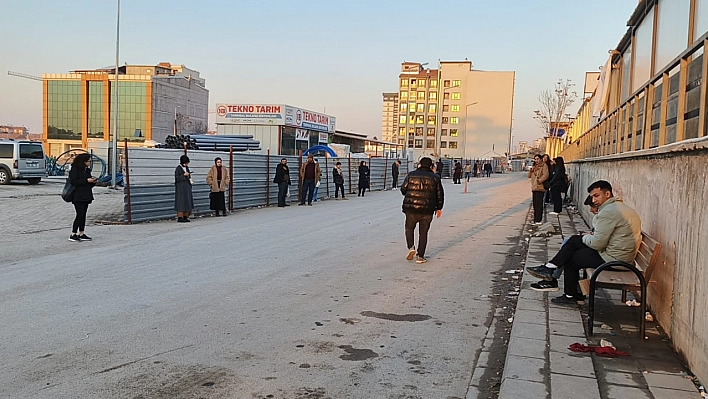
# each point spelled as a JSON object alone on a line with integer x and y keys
{"x": 605, "y": 277}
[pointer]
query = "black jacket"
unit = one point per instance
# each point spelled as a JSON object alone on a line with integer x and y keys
{"x": 394, "y": 169}
{"x": 558, "y": 177}
{"x": 78, "y": 177}
{"x": 423, "y": 192}
{"x": 282, "y": 174}
{"x": 338, "y": 177}
{"x": 364, "y": 177}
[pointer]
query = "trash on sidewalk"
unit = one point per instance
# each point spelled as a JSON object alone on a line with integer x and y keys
{"x": 510, "y": 272}
{"x": 648, "y": 317}
{"x": 633, "y": 302}
{"x": 606, "y": 327}
{"x": 606, "y": 344}
{"x": 606, "y": 351}
{"x": 510, "y": 319}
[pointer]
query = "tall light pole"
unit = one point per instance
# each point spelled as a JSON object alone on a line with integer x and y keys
{"x": 464, "y": 148}
{"x": 114, "y": 160}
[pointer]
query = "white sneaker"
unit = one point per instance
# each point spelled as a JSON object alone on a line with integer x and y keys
{"x": 420, "y": 259}
{"x": 553, "y": 213}
{"x": 411, "y": 254}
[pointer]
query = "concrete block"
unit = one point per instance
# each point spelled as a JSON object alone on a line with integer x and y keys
{"x": 577, "y": 364}
{"x": 472, "y": 393}
{"x": 669, "y": 381}
{"x": 624, "y": 364}
{"x": 561, "y": 314}
{"x": 528, "y": 347}
{"x": 567, "y": 328}
{"x": 530, "y": 317}
{"x": 515, "y": 389}
{"x": 477, "y": 376}
{"x": 624, "y": 392}
{"x": 527, "y": 330}
{"x": 482, "y": 360}
{"x": 568, "y": 386}
{"x": 523, "y": 368}
{"x": 531, "y": 295}
{"x": 663, "y": 393}
{"x": 628, "y": 379}
{"x": 524, "y": 304}
{"x": 560, "y": 343}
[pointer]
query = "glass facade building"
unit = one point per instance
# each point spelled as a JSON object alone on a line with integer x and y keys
{"x": 64, "y": 110}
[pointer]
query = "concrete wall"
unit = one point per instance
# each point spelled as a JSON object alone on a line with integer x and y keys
{"x": 170, "y": 92}
{"x": 667, "y": 187}
{"x": 489, "y": 121}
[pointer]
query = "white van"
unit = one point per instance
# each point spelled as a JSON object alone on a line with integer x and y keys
{"x": 22, "y": 160}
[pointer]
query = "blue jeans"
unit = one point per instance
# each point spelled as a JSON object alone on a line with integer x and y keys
{"x": 308, "y": 189}
{"x": 314, "y": 195}
{"x": 559, "y": 270}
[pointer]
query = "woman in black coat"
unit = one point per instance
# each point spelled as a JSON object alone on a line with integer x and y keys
{"x": 82, "y": 181}
{"x": 184, "y": 203}
{"x": 364, "y": 178}
{"x": 557, "y": 184}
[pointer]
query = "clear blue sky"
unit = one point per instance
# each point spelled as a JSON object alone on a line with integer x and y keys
{"x": 338, "y": 55}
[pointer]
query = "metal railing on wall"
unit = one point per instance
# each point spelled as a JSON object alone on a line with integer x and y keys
{"x": 150, "y": 192}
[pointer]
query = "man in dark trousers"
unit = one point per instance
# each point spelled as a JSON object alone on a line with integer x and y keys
{"x": 439, "y": 168}
{"x": 282, "y": 179}
{"x": 488, "y": 169}
{"x": 338, "y": 177}
{"x": 394, "y": 173}
{"x": 423, "y": 197}
{"x": 310, "y": 174}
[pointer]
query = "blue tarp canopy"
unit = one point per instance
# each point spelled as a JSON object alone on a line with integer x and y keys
{"x": 319, "y": 148}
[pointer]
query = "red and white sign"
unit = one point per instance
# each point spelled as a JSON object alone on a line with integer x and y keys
{"x": 273, "y": 114}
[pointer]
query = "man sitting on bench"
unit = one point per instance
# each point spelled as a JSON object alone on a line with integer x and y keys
{"x": 617, "y": 236}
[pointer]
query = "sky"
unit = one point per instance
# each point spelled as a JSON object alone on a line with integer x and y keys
{"x": 338, "y": 56}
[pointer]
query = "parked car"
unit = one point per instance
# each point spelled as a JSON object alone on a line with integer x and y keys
{"x": 22, "y": 160}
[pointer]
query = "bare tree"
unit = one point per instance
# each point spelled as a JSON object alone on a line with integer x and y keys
{"x": 554, "y": 104}
{"x": 199, "y": 127}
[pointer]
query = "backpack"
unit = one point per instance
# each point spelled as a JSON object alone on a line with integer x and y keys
{"x": 67, "y": 194}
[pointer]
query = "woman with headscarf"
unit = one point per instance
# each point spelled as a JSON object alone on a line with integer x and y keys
{"x": 364, "y": 176}
{"x": 218, "y": 180}
{"x": 184, "y": 203}
{"x": 557, "y": 184}
{"x": 82, "y": 181}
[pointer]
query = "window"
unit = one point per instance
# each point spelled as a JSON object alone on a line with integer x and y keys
{"x": 445, "y": 120}
{"x": 411, "y": 131}
{"x": 404, "y": 107}
{"x": 455, "y": 108}
{"x": 443, "y": 132}
{"x": 454, "y": 120}
{"x": 410, "y": 143}
{"x": 454, "y": 132}
{"x": 420, "y": 107}
{"x": 402, "y": 119}
{"x": 421, "y": 95}
{"x": 433, "y": 95}
{"x": 443, "y": 144}
{"x": 401, "y": 131}
{"x": 31, "y": 151}
{"x": 404, "y": 95}
{"x": 431, "y": 132}
{"x": 429, "y": 143}
{"x": 421, "y": 82}
{"x": 434, "y": 83}
{"x": 411, "y": 106}
{"x": 404, "y": 82}
{"x": 419, "y": 132}
{"x": 432, "y": 108}
{"x": 455, "y": 83}
{"x": 453, "y": 145}
{"x": 431, "y": 120}
{"x": 411, "y": 119}
{"x": 6, "y": 150}
{"x": 446, "y": 108}
{"x": 420, "y": 119}
{"x": 413, "y": 83}
{"x": 456, "y": 96}
{"x": 418, "y": 143}
{"x": 446, "y": 83}
{"x": 401, "y": 141}
{"x": 446, "y": 96}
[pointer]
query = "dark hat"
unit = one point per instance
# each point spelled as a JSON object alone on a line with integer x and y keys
{"x": 588, "y": 201}
{"x": 183, "y": 159}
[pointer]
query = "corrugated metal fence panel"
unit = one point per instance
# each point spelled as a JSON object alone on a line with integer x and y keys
{"x": 152, "y": 179}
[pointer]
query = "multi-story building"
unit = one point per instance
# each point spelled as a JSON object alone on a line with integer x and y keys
{"x": 389, "y": 124}
{"x": 523, "y": 146}
{"x": 454, "y": 111}
{"x": 154, "y": 101}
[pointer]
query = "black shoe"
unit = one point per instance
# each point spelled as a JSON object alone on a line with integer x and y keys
{"x": 74, "y": 238}
{"x": 545, "y": 286}
{"x": 301, "y": 204}
{"x": 309, "y": 204}
{"x": 181, "y": 220}
{"x": 281, "y": 206}
{"x": 542, "y": 272}
{"x": 569, "y": 300}
{"x": 84, "y": 237}
{"x": 187, "y": 220}
{"x": 223, "y": 214}
{"x": 286, "y": 205}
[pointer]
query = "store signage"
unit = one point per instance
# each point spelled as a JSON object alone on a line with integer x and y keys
{"x": 302, "y": 134}
{"x": 305, "y": 119}
{"x": 323, "y": 138}
{"x": 249, "y": 114}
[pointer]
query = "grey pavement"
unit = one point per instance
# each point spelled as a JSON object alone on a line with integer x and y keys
{"x": 298, "y": 302}
{"x": 540, "y": 365}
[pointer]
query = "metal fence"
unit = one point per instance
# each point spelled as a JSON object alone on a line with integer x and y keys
{"x": 149, "y": 193}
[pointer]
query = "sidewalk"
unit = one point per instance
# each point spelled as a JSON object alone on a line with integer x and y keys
{"x": 540, "y": 365}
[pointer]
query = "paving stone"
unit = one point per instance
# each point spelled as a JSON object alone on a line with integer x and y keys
{"x": 663, "y": 393}
{"x": 568, "y": 386}
{"x": 530, "y": 317}
{"x": 629, "y": 379}
{"x": 530, "y": 305}
{"x": 560, "y": 314}
{"x": 515, "y": 389}
{"x": 472, "y": 393}
{"x": 483, "y": 359}
{"x": 560, "y": 343}
{"x": 477, "y": 376}
{"x": 624, "y": 392}
{"x": 527, "y": 330}
{"x": 660, "y": 366}
{"x": 523, "y": 368}
{"x": 668, "y": 381}
{"x": 573, "y": 364}
{"x": 567, "y": 328}
{"x": 624, "y": 364}
{"x": 531, "y": 295}
{"x": 528, "y": 347}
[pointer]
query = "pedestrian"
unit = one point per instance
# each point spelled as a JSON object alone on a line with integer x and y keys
{"x": 394, "y": 173}
{"x": 557, "y": 185}
{"x": 282, "y": 179}
{"x": 82, "y": 181}
{"x": 338, "y": 177}
{"x": 218, "y": 180}
{"x": 475, "y": 170}
{"x": 549, "y": 163}
{"x": 468, "y": 171}
{"x": 488, "y": 169}
{"x": 310, "y": 174}
{"x": 423, "y": 197}
{"x": 317, "y": 186}
{"x": 439, "y": 168}
{"x": 364, "y": 178}
{"x": 184, "y": 202}
{"x": 457, "y": 174}
{"x": 538, "y": 175}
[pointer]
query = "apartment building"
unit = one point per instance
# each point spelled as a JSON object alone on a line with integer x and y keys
{"x": 389, "y": 123}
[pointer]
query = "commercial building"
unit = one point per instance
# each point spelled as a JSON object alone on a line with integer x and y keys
{"x": 454, "y": 111}
{"x": 389, "y": 124}
{"x": 153, "y": 101}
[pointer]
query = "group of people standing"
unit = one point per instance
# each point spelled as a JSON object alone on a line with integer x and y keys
{"x": 476, "y": 170}
{"x": 548, "y": 178}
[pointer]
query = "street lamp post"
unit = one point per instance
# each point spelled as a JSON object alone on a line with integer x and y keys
{"x": 114, "y": 158}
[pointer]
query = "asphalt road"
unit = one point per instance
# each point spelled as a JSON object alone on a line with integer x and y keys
{"x": 299, "y": 302}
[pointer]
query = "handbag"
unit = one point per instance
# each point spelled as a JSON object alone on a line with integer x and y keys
{"x": 67, "y": 194}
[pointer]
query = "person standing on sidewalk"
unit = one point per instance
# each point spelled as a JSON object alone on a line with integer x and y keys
{"x": 394, "y": 173}
{"x": 184, "y": 202}
{"x": 439, "y": 168}
{"x": 617, "y": 236}
{"x": 218, "y": 180}
{"x": 468, "y": 171}
{"x": 457, "y": 174}
{"x": 423, "y": 197}
{"x": 488, "y": 169}
{"x": 338, "y": 177}
{"x": 82, "y": 181}
{"x": 317, "y": 186}
{"x": 557, "y": 184}
{"x": 282, "y": 179}
{"x": 310, "y": 174}
{"x": 364, "y": 176}
{"x": 538, "y": 175}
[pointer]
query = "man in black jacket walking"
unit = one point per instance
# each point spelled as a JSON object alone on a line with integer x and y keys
{"x": 423, "y": 197}
{"x": 282, "y": 179}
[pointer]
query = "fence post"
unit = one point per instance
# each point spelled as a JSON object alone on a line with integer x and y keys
{"x": 299, "y": 178}
{"x": 370, "y": 167}
{"x": 268, "y": 178}
{"x": 327, "y": 172}
{"x": 349, "y": 158}
{"x": 126, "y": 181}
{"x": 385, "y": 171}
{"x": 231, "y": 178}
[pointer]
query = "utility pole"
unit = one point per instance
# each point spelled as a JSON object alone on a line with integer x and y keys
{"x": 114, "y": 158}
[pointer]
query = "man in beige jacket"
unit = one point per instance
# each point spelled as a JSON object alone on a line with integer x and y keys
{"x": 538, "y": 174}
{"x": 617, "y": 236}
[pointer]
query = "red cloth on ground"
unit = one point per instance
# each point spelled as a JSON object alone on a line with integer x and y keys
{"x": 604, "y": 351}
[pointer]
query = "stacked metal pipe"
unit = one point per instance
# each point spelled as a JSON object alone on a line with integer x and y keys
{"x": 212, "y": 142}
